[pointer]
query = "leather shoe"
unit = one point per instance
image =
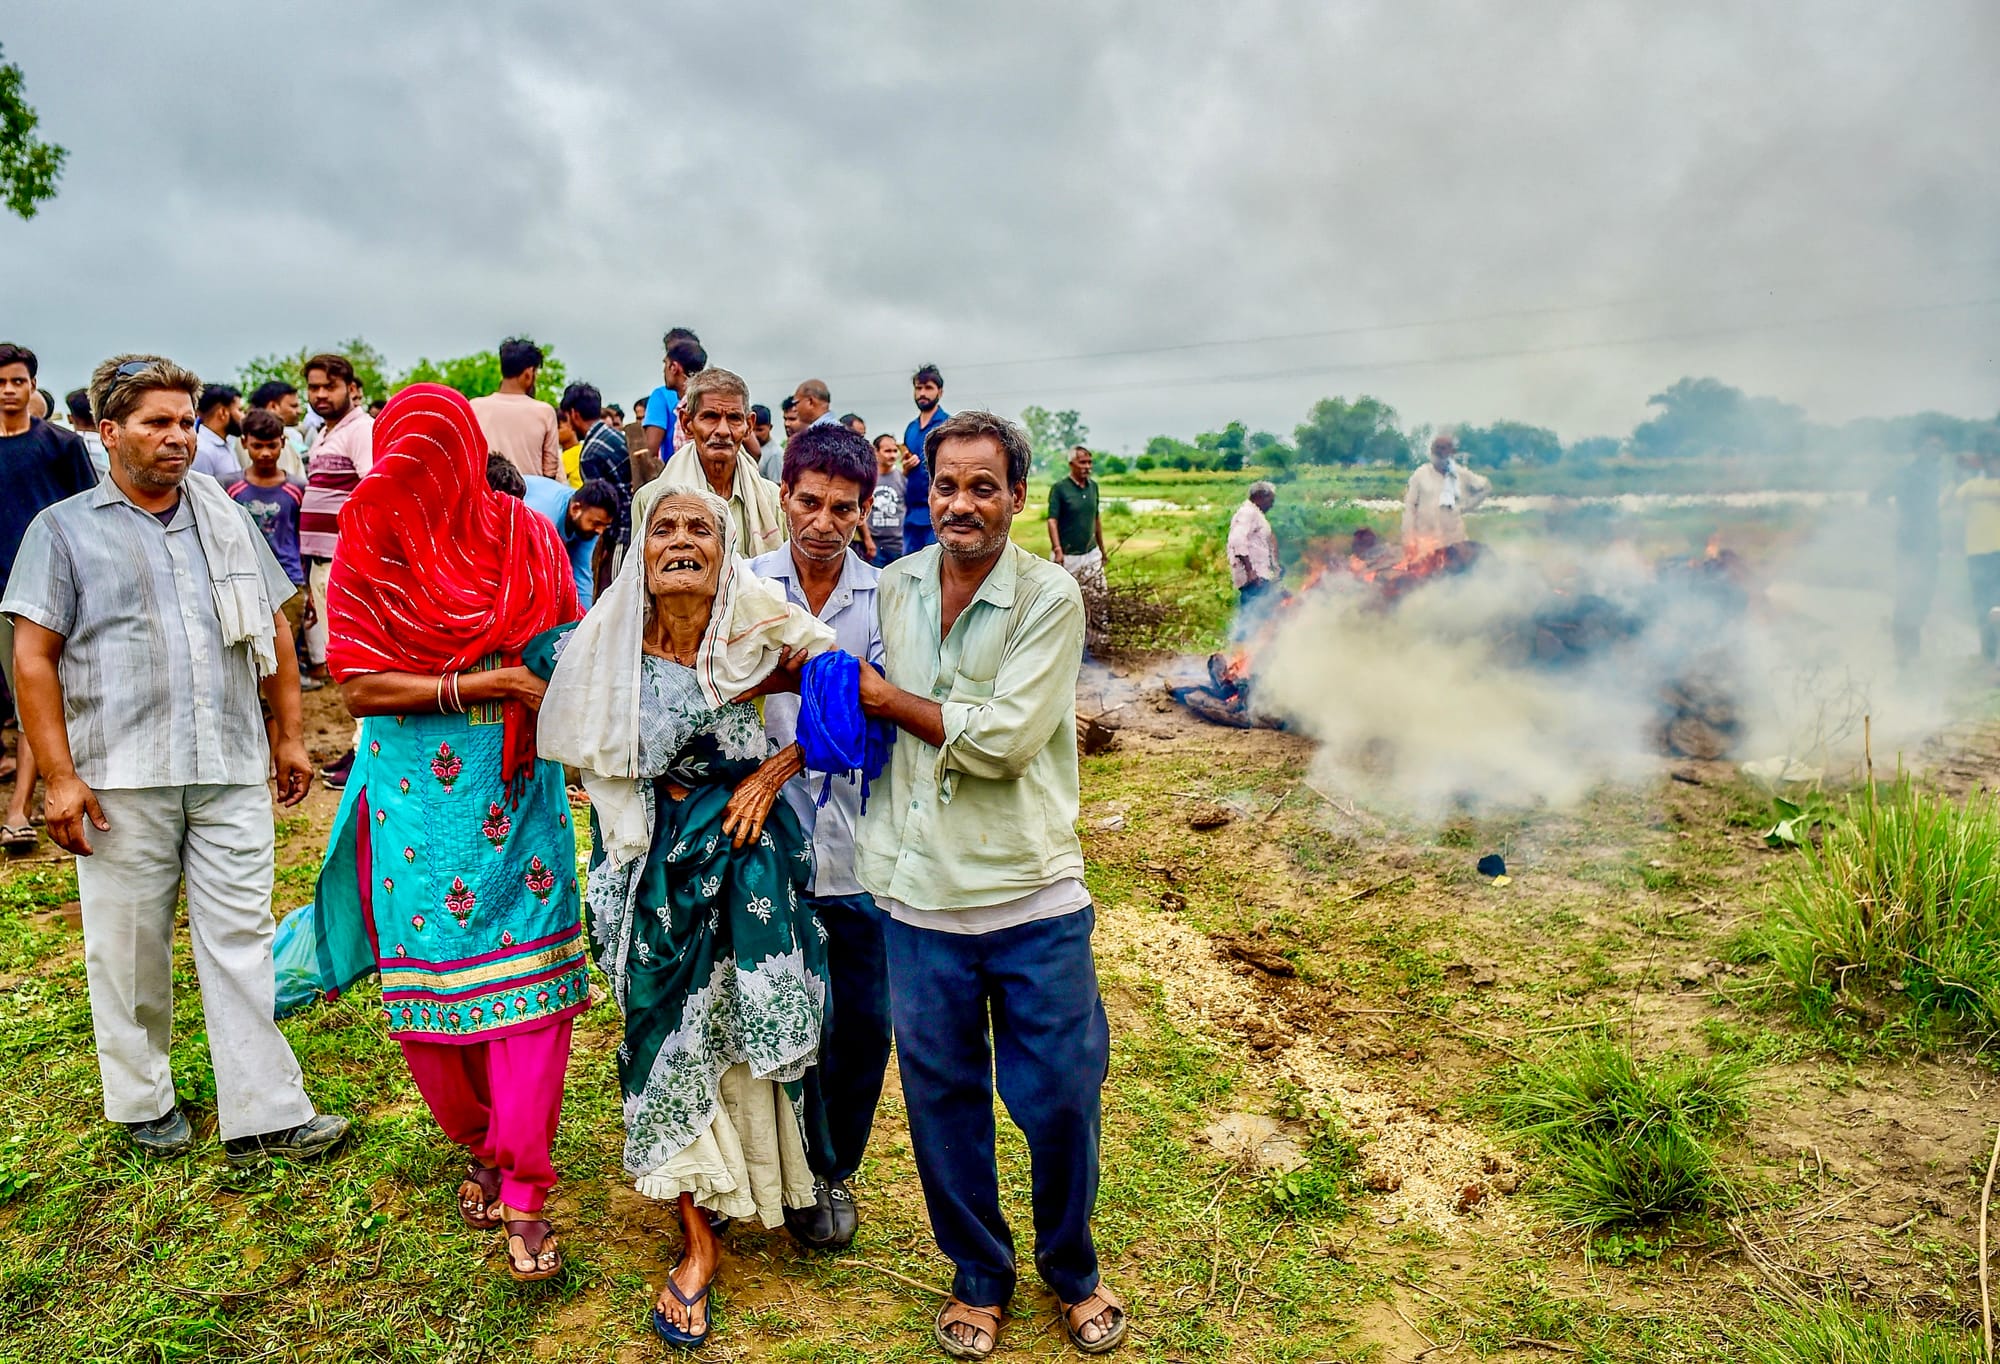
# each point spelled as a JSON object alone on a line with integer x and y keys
{"x": 813, "y": 1227}
{"x": 846, "y": 1216}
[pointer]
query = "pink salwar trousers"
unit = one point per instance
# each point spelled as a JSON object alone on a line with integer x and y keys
{"x": 501, "y": 1100}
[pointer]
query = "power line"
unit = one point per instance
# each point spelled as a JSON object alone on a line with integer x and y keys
{"x": 1365, "y": 329}
{"x": 1469, "y": 357}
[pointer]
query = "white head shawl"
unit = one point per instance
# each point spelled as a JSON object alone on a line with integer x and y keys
{"x": 590, "y": 714}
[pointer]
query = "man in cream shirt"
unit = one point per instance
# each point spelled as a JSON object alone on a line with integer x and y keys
{"x": 969, "y": 846}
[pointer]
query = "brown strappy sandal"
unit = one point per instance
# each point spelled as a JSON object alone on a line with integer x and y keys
{"x": 484, "y": 1181}
{"x": 544, "y": 1254}
{"x": 980, "y": 1319}
{"x": 1078, "y": 1315}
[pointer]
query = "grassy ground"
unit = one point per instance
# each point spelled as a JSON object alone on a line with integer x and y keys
{"x": 1359, "y": 1094}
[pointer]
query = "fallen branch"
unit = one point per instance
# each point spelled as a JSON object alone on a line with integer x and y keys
{"x": 1774, "y": 1276}
{"x": 903, "y": 1279}
{"x": 1844, "y": 1198}
{"x": 1530, "y": 1343}
{"x": 1985, "y": 1291}
{"x": 1575, "y": 1027}
{"x": 1244, "y": 1284}
{"x": 1375, "y": 889}
{"x": 1279, "y": 801}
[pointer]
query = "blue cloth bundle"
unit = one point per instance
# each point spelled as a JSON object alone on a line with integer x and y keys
{"x": 834, "y": 735}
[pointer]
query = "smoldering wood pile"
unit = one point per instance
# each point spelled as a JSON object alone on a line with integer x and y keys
{"x": 1698, "y": 714}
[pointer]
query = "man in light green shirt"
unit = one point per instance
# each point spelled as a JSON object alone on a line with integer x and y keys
{"x": 969, "y": 847}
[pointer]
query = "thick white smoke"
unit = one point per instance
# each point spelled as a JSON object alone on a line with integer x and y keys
{"x": 1455, "y": 697}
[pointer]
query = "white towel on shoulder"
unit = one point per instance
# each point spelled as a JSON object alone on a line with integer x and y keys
{"x": 229, "y": 541}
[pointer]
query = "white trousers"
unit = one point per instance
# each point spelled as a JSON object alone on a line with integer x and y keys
{"x": 319, "y": 572}
{"x": 221, "y": 839}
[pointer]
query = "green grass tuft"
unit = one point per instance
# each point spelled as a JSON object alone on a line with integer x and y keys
{"x": 1902, "y": 894}
{"x": 1841, "y": 1333}
{"x": 1627, "y": 1141}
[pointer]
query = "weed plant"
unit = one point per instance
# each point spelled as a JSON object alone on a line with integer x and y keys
{"x": 1628, "y": 1141}
{"x": 1840, "y": 1331}
{"x": 1904, "y": 894}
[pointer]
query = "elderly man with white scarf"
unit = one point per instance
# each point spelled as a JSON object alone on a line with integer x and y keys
{"x": 147, "y": 617}
{"x": 715, "y": 413}
{"x": 1436, "y": 500}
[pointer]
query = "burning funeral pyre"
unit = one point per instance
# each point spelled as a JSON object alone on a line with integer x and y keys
{"x": 1664, "y": 633}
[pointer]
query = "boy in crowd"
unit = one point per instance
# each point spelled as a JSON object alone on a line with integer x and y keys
{"x": 885, "y": 510}
{"x": 273, "y": 498}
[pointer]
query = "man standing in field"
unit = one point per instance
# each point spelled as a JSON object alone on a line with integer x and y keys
{"x": 40, "y": 465}
{"x": 712, "y": 459}
{"x": 517, "y": 423}
{"x": 342, "y": 457}
{"x": 146, "y": 614}
{"x": 1253, "y": 548}
{"x": 220, "y": 413}
{"x": 1076, "y": 541}
{"x": 828, "y": 478}
{"x": 927, "y": 391}
{"x": 1436, "y": 499}
{"x": 969, "y": 845}
{"x": 684, "y": 359}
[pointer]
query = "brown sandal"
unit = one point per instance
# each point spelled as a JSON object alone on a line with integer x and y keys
{"x": 1078, "y": 1315}
{"x": 485, "y": 1181}
{"x": 980, "y": 1319}
{"x": 544, "y": 1255}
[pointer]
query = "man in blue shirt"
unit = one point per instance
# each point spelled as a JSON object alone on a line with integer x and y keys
{"x": 580, "y": 517}
{"x": 927, "y": 387}
{"x": 684, "y": 358}
{"x": 828, "y": 477}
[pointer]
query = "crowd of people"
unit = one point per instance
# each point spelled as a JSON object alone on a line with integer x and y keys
{"x": 824, "y": 726}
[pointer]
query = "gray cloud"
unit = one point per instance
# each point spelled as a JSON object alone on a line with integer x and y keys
{"x": 845, "y": 191}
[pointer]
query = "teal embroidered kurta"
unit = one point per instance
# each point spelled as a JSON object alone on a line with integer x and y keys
{"x": 470, "y": 900}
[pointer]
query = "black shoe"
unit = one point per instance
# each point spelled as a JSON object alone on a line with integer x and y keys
{"x": 813, "y": 1227}
{"x": 846, "y": 1217}
{"x": 335, "y": 774}
{"x": 167, "y": 1135}
{"x": 310, "y": 1140}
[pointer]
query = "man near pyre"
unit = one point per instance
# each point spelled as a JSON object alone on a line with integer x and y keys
{"x": 1253, "y": 548}
{"x": 1436, "y": 500}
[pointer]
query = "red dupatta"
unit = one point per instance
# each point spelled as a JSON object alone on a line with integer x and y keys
{"x": 434, "y": 571}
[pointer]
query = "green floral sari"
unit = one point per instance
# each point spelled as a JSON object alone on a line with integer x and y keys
{"x": 712, "y": 951}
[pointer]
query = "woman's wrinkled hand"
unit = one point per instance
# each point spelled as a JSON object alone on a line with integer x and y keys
{"x": 750, "y": 804}
{"x": 524, "y": 686}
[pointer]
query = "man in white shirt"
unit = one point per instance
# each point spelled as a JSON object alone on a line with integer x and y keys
{"x": 220, "y": 414}
{"x": 833, "y": 473}
{"x": 1436, "y": 499}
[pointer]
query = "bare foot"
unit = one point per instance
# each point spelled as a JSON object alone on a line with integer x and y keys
{"x": 693, "y": 1274}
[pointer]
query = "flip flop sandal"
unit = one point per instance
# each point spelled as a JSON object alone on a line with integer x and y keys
{"x": 1076, "y": 1316}
{"x": 544, "y": 1253}
{"x": 956, "y": 1313}
{"x": 487, "y": 1181}
{"x": 19, "y": 838}
{"x": 674, "y": 1335}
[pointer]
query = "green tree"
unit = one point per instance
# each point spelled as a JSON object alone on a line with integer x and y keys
{"x": 29, "y": 167}
{"x": 1363, "y": 431}
{"x": 1591, "y": 450}
{"x": 1708, "y": 417}
{"x": 369, "y": 367}
{"x": 1052, "y": 435}
{"x": 1510, "y": 443}
{"x": 478, "y": 374}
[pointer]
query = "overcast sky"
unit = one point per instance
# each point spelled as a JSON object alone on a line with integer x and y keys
{"x": 1532, "y": 210}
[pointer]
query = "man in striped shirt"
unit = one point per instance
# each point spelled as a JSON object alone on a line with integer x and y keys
{"x": 340, "y": 459}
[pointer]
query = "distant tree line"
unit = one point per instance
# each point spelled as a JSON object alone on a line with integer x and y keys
{"x": 1691, "y": 419}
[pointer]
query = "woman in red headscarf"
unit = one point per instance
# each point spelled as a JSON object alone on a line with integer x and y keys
{"x": 453, "y": 842}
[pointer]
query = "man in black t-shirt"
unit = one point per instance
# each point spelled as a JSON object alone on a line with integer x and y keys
{"x": 40, "y": 465}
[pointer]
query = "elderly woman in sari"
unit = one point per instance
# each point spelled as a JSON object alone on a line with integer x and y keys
{"x": 452, "y": 846}
{"x": 698, "y": 880}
